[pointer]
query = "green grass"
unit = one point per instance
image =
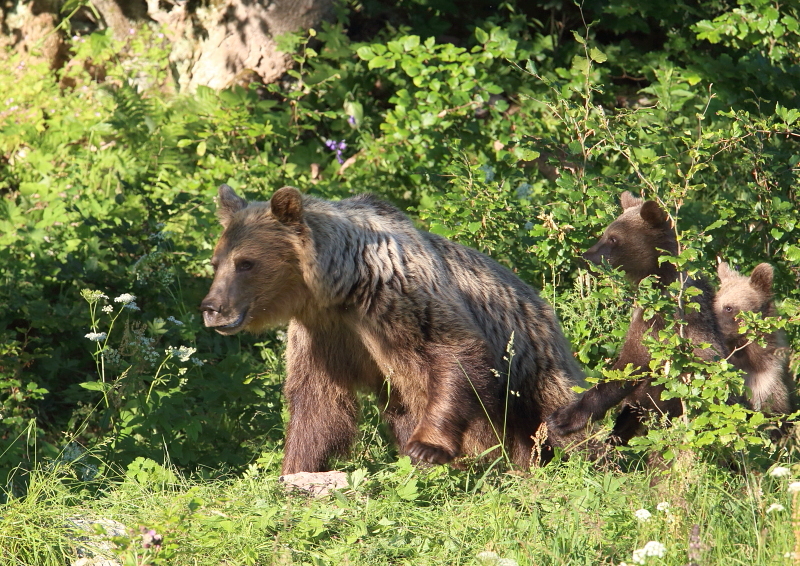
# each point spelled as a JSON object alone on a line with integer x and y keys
{"x": 574, "y": 512}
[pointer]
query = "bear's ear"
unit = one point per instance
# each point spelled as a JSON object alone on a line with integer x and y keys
{"x": 724, "y": 271}
{"x": 652, "y": 213}
{"x": 761, "y": 278}
{"x": 287, "y": 205}
{"x": 228, "y": 204}
{"x": 627, "y": 200}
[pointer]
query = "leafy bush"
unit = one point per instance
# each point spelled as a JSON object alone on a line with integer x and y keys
{"x": 517, "y": 142}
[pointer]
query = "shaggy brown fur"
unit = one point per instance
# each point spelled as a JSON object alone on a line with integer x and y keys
{"x": 375, "y": 304}
{"x": 766, "y": 368}
{"x": 633, "y": 243}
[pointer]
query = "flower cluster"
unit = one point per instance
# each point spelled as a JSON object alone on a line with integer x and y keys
{"x": 92, "y": 296}
{"x": 642, "y": 515}
{"x": 128, "y": 301}
{"x": 780, "y": 472}
{"x": 151, "y": 539}
{"x": 490, "y": 558}
{"x": 338, "y": 147}
{"x": 183, "y": 353}
{"x": 652, "y": 548}
{"x": 96, "y": 336}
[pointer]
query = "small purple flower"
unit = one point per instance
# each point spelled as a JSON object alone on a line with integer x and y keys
{"x": 351, "y": 120}
{"x": 151, "y": 539}
{"x": 338, "y": 147}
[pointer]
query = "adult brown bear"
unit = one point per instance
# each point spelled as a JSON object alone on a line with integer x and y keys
{"x": 375, "y": 304}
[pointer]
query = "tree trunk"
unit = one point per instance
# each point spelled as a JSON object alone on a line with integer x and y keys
{"x": 238, "y": 38}
{"x": 211, "y": 45}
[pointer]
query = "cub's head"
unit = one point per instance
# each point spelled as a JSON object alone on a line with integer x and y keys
{"x": 257, "y": 279}
{"x": 738, "y": 293}
{"x": 636, "y": 239}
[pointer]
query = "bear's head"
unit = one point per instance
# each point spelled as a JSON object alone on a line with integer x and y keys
{"x": 636, "y": 239}
{"x": 739, "y": 293}
{"x": 257, "y": 279}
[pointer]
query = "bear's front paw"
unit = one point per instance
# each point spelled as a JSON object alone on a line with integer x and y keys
{"x": 567, "y": 420}
{"x": 424, "y": 452}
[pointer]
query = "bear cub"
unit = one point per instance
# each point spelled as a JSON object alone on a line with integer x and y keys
{"x": 766, "y": 368}
{"x": 373, "y": 304}
{"x": 634, "y": 242}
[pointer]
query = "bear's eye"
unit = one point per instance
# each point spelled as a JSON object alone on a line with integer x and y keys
{"x": 728, "y": 309}
{"x": 612, "y": 239}
{"x": 244, "y": 265}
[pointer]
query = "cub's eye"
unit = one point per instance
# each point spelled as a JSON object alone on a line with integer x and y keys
{"x": 728, "y": 309}
{"x": 612, "y": 239}
{"x": 244, "y": 265}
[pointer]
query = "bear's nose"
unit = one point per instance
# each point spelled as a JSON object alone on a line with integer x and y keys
{"x": 210, "y": 307}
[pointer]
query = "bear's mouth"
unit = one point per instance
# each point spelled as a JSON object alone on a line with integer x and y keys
{"x": 233, "y": 327}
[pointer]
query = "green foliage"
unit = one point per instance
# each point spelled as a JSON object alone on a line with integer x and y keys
{"x": 515, "y": 138}
{"x": 571, "y": 513}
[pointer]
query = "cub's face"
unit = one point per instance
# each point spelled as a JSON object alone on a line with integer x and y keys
{"x": 257, "y": 280}
{"x": 737, "y": 294}
{"x": 636, "y": 239}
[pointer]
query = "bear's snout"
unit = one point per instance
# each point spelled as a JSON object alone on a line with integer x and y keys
{"x": 210, "y": 310}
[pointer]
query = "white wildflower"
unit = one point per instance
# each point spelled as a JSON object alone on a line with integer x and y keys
{"x": 792, "y": 555}
{"x": 92, "y": 296}
{"x": 125, "y": 298}
{"x": 96, "y": 336}
{"x": 775, "y": 507}
{"x": 131, "y": 306}
{"x": 794, "y": 487}
{"x": 112, "y": 356}
{"x": 488, "y": 557}
{"x": 174, "y": 320}
{"x": 663, "y": 507}
{"x": 197, "y": 361}
{"x": 183, "y": 353}
{"x": 642, "y": 515}
{"x": 108, "y": 309}
{"x": 506, "y": 562}
{"x": 652, "y": 548}
{"x": 780, "y": 472}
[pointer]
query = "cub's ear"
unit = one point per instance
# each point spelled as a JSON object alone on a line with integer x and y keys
{"x": 287, "y": 205}
{"x": 652, "y": 213}
{"x": 228, "y": 204}
{"x": 627, "y": 200}
{"x": 724, "y": 271}
{"x": 761, "y": 278}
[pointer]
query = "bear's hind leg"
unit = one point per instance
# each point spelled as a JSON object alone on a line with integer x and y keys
{"x": 455, "y": 396}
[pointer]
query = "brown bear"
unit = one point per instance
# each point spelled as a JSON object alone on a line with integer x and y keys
{"x": 766, "y": 368}
{"x": 634, "y": 242}
{"x": 374, "y": 304}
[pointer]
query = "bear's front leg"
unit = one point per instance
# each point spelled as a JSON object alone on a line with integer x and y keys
{"x": 456, "y": 394}
{"x": 323, "y": 371}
